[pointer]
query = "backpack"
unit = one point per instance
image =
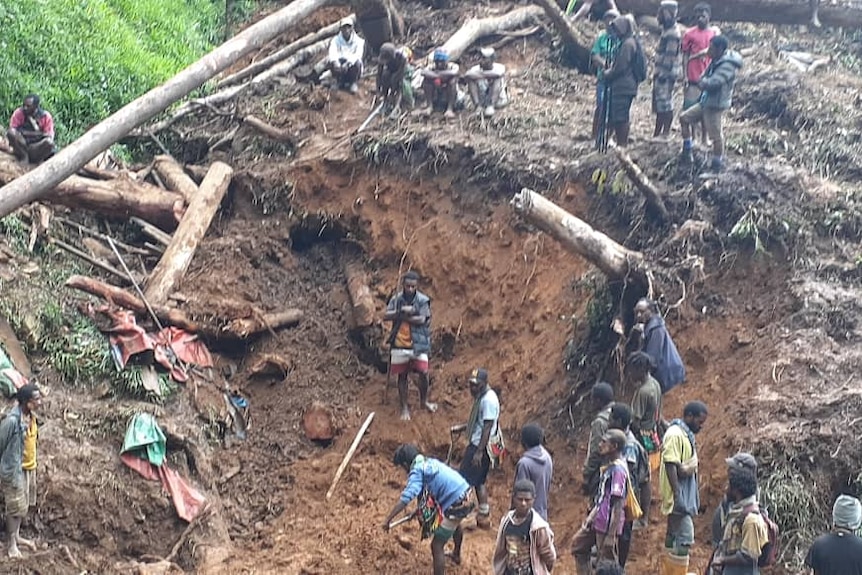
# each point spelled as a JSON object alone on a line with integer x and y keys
{"x": 639, "y": 64}
{"x": 769, "y": 552}
{"x": 631, "y": 506}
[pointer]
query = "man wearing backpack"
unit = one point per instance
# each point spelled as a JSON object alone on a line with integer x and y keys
{"x": 445, "y": 486}
{"x": 745, "y": 533}
{"x": 623, "y": 76}
{"x": 839, "y": 552}
{"x": 604, "y": 525}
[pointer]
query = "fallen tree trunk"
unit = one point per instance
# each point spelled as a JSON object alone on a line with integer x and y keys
{"x": 615, "y": 261}
{"x": 121, "y": 197}
{"x": 642, "y": 183}
{"x": 839, "y": 13}
{"x": 360, "y": 295}
{"x": 476, "y": 28}
{"x": 244, "y": 327}
{"x": 193, "y": 227}
{"x": 269, "y": 130}
{"x": 174, "y": 177}
{"x": 70, "y": 159}
{"x": 574, "y": 40}
{"x": 256, "y": 67}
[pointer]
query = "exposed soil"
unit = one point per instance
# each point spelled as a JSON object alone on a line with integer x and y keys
{"x": 770, "y": 336}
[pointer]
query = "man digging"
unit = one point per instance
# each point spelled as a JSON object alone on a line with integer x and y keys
{"x": 410, "y": 340}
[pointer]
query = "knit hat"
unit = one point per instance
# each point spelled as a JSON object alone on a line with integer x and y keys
{"x": 479, "y": 375}
{"x": 847, "y": 512}
{"x": 742, "y": 461}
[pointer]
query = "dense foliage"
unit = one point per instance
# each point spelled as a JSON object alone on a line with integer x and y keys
{"x": 88, "y": 58}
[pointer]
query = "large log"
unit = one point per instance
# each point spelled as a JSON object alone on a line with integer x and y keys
{"x": 360, "y": 295}
{"x": 476, "y": 28}
{"x": 174, "y": 177}
{"x": 837, "y": 13}
{"x": 574, "y": 40}
{"x": 258, "y": 322}
{"x": 256, "y": 67}
{"x": 121, "y": 197}
{"x": 193, "y": 227}
{"x": 71, "y": 158}
{"x": 615, "y": 261}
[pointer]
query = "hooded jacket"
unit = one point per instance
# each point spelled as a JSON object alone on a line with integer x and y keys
{"x": 543, "y": 554}
{"x": 537, "y": 466}
{"x": 718, "y": 81}
{"x": 620, "y": 77}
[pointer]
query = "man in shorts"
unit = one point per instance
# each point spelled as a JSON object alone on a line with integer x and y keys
{"x": 447, "y": 488}
{"x": 410, "y": 340}
{"x": 695, "y": 57}
{"x": 17, "y": 448}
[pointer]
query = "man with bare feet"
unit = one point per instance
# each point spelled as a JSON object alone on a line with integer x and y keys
{"x": 410, "y": 340}
{"x": 18, "y": 464}
{"x": 484, "y": 429}
{"x": 440, "y": 84}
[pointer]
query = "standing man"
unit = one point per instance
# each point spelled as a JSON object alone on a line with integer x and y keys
{"x": 484, "y": 429}
{"x": 344, "y": 60}
{"x": 668, "y": 67}
{"x": 840, "y": 551}
{"x": 678, "y": 483}
{"x": 657, "y": 343}
{"x": 604, "y": 524}
{"x": 745, "y": 533}
{"x": 525, "y": 542}
{"x": 716, "y": 86}
{"x": 394, "y": 75}
{"x": 447, "y": 488}
{"x": 536, "y": 466}
{"x": 601, "y": 57}
{"x": 695, "y": 58}
{"x": 440, "y": 84}
{"x": 637, "y": 461}
{"x": 740, "y": 462}
{"x": 620, "y": 78}
{"x": 486, "y": 82}
{"x": 603, "y": 399}
{"x": 646, "y": 416}
{"x": 18, "y": 433}
{"x": 31, "y": 132}
{"x": 410, "y": 339}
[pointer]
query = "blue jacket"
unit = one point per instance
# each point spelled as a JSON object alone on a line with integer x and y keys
{"x": 669, "y": 370}
{"x": 718, "y": 81}
{"x": 537, "y": 466}
{"x": 12, "y": 446}
{"x": 421, "y": 334}
{"x": 446, "y": 485}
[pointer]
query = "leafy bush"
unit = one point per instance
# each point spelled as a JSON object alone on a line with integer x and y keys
{"x": 88, "y": 58}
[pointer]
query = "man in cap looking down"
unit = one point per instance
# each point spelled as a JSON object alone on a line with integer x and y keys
{"x": 486, "y": 82}
{"x": 344, "y": 60}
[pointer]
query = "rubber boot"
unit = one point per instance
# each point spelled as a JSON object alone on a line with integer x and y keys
{"x": 621, "y": 132}
{"x": 673, "y": 564}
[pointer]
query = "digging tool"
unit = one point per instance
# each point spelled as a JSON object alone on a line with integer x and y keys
{"x": 402, "y": 520}
{"x": 135, "y": 284}
{"x": 388, "y": 378}
{"x": 370, "y": 117}
{"x": 454, "y": 432}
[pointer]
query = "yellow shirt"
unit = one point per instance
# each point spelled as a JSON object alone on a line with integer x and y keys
{"x": 28, "y": 460}
{"x": 749, "y": 536}
{"x": 675, "y": 449}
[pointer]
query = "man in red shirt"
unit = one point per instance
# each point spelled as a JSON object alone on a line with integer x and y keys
{"x": 695, "y": 60}
{"x": 31, "y": 132}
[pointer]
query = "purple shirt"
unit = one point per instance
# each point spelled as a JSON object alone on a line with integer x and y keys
{"x": 611, "y": 484}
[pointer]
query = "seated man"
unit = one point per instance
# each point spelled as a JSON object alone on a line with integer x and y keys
{"x": 31, "y": 132}
{"x": 344, "y": 60}
{"x": 440, "y": 84}
{"x": 394, "y": 76}
{"x": 487, "y": 84}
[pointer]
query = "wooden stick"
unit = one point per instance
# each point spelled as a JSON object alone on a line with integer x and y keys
{"x": 267, "y": 129}
{"x": 641, "y": 181}
{"x": 152, "y": 231}
{"x": 89, "y": 259}
{"x": 91, "y": 232}
{"x": 187, "y": 531}
{"x": 349, "y": 454}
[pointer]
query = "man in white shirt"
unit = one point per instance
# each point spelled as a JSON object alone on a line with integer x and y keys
{"x": 344, "y": 60}
{"x": 487, "y": 84}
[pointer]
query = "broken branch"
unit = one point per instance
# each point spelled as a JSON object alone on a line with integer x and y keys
{"x": 349, "y": 454}
{"x": 476, "y": 28}
{"x": 174, "y": 177}
{"x": 641, "y": 182}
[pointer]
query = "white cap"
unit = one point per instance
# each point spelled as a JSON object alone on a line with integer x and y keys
{"x": 348, "y": 21}
{"x": 487, "y": 52}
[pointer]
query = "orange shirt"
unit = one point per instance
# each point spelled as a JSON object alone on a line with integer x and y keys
{"x": 404, "y": 339}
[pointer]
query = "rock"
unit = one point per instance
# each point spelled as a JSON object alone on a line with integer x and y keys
{"x": 317, "y": 423}
{"x": 405, "y": 542}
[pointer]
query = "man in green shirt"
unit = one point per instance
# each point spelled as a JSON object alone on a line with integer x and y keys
{"x": 600, "y": 56}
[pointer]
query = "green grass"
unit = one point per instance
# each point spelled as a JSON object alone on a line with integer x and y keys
{"x": 88, "y": 58}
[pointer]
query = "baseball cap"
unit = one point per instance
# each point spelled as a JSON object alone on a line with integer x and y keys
{"x": 348, "y": 21}
{"x": 441, "y": 55}
{"x": 479, "y": 375}
{"x": 742, "y": 460}
{"x": 487, "y": 52}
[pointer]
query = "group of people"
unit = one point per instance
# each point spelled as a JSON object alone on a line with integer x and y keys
{"x": 628, "y": 443}
{"x": 397, "y": 79}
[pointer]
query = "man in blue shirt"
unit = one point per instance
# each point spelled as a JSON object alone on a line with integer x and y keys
{"x": 448, "y": 489}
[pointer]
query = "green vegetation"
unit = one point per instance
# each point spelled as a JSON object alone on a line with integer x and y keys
{"x": 86, "y": 59}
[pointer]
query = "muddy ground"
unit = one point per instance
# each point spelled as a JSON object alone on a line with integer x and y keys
{"x": 767, "y": 321}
